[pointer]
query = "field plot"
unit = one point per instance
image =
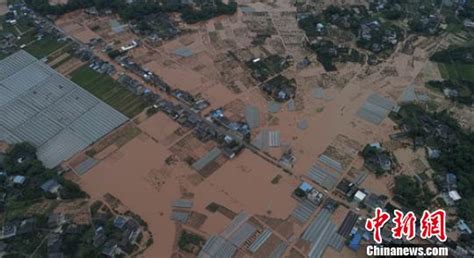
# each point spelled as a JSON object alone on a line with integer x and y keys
{"x": 342, "y": 152}
{"x": 109, "y": 91}
{"x": 19, "y": 29}
{"x": 3, "y": 7}
{"x": 43, "y": 47}
{"x": 76, "y": 30}
{"x": 457, "y": 71}
{"x": 292, "y": 36}
{"x": 26, "y": 37}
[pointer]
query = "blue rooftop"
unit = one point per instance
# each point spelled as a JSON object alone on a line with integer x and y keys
{"x": 355, "y": 242}
{"x": 451, "y": 178}
{"x": 305, "y": 187}
{"x": 49, "y": 185}
{"x": 120, "y": 221}
{"x": 217, "y": 113}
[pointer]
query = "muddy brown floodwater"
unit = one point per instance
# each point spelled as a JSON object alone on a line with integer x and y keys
{"x": 126, "y": 174}
{"x": 137, "y": 175}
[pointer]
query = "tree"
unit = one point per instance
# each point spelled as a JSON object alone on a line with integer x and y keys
{"x": 369, "y": 151}
{"x": 309, "y": 25}
{"x": 416, "y": 25}
{"x": 467, "y": 239}
{"x": 188, "y": 240}
{"x": 454, "y": 54}
{"x": 406, "y": 186}
{"x": 19, "y": 154}
{"x": 71, "y": 190}
{"x": 466, "y": 209}
{"x": 114, "y": 53}
{"x": 31, "y": 192}
{"x": 393, "y": 14}
{"x": 410, "y": 194}
{"x": 300, "y": 193}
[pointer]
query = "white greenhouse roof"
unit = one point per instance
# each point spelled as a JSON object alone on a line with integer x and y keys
{"x": 41, "y": 106}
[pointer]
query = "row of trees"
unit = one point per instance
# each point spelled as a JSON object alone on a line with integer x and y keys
{"x": 463, "y": 54}
{"x": 137, "y": 10}
{"x": 43, "y": 6}
{"x": 190, "y": 15}
{"x": 406, "y": 188}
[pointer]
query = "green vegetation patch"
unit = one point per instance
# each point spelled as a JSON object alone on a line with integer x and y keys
{"x": 108, "y": 90}
{"x": 377, "y": 160}
{"x": 191, "y": 15}
{"x": 212, "y": 207}
{"x": 458, "y": 90}
{"x": 328, "y": 53}
{"x": 276, "y": 179}
{"x": 29, "y": 209}
{"x": 457, "y": 71}
{"x": 406, "y": 187}
{"x": 27, "y": 35}
{"x": 266, "y": 67}
{"x": 442, "y": 132}
{"x": 43, "y": 47}
{"x": 190, "y": 242}
{"x": 26, "y": 244}
{"x": 456, "y": 63}
{"x": 138, "y": 10}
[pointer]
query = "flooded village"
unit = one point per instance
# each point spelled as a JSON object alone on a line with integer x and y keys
{"x": 257, "y": 129}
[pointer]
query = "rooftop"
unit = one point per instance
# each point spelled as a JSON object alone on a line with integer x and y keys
{"x": 19, "y": 179}
{"x": 50, "y": 186}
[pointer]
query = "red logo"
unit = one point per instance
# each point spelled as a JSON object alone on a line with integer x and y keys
{"x": 404, "y": 225}
{"x": 432, "y": 224}
{"x": 376, "y": 224}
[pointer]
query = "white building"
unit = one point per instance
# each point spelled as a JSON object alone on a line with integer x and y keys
{"x": 359, "y": 196}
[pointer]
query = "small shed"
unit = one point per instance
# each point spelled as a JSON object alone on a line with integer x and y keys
{"x": 120, "y": 222}
{"x": 19, "y": 180}
{"x": 355, "y": 242}
{"x": 453, "y": 194}
{"x": 51, "y": 186}
{"x": 463, "y": 227}
{"x": 304, "y": 186}
{"x": 359, "y": 196}
{"x": 433, "y": 153}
